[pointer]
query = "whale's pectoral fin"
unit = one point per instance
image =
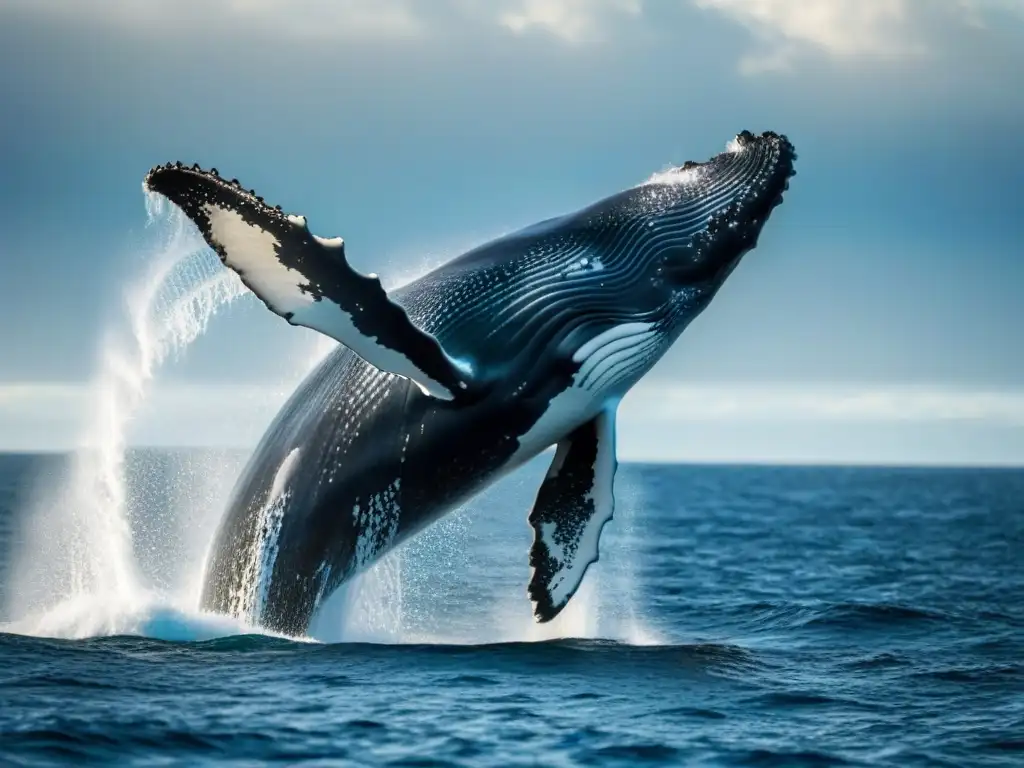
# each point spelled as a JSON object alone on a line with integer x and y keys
{"x": 306, "y": 279}
{"x": 573, "y": 504}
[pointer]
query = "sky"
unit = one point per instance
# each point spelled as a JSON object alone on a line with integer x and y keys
{"x": 878, "y": 321}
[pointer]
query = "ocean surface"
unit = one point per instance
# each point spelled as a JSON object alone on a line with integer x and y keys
{"x": 739, "y": 616}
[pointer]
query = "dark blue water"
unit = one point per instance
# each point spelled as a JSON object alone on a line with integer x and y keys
{"x": 758, "y": 616}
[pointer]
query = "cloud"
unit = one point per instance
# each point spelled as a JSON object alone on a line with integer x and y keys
{"x": 849, "y": 30}
{"x": 979, "y": 12}
{"x": 306, "y": 18}
{"x": 787, "y": 30}
{"x": 845, "y": 29}
{"x": 572, "y": 21}
{"x": 343, "y": 18}
{"x": 831, "y": 404}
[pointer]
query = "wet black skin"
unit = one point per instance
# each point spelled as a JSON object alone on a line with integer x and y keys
{"x": 364, "y": 435}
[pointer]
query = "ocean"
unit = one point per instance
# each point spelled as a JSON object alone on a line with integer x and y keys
{"x": 739, "y": 616}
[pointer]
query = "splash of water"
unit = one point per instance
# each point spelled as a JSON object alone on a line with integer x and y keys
{"x": 79, "y": 575}
{"x": 605, "y": 605}
{"x": 430, "y": 590}
{"x": 80, "y": 552}
{"x": 368, "y": 608}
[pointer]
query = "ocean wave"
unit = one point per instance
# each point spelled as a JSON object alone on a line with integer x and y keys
{"x": 722, "y": 657}
{"x": 142, "y": 615}
{"x": 860, "y": 615}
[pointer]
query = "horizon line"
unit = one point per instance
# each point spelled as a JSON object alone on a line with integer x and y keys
{"x": 795, "y": 463}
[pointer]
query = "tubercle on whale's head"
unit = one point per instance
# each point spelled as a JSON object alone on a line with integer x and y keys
{"x": 701, "y": 218}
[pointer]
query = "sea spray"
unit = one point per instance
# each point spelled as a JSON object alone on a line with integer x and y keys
{"x": 606, "y": 605}
{"x": 250, "y": 599}
{"x": 78, "y": 573}
{"x": 78, "y": 547}
{"x": 430, "y": 590}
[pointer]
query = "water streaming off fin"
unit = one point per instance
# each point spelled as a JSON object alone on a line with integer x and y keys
{"x": 79, "y": 544}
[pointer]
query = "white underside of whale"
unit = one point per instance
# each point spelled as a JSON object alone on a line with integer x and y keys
{"x": 609, "y": 364}
{"x": 252, "y": 252}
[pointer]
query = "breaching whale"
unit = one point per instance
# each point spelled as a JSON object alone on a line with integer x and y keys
{"x": 443, "y": 386}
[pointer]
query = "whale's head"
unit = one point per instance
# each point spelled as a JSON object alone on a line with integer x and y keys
{"x": 699, "y": 219}
{"x": 672, "y": 240}
{"x": 657, "y": 253}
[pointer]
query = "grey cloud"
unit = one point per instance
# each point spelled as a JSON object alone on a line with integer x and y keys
{"x": 572, "y": 21}
{"x": 788, "y": 32}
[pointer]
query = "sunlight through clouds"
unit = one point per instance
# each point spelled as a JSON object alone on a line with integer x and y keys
{"x": 786, "y": 30}
{"x": 848, "y": 30}
{"x": 844, "y": 29}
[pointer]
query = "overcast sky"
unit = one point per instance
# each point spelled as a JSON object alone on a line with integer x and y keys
{"x": 879, "y": 320}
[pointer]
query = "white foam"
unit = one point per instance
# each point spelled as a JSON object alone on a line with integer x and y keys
{"x": 265, "y": 547}
{"x": 674, "y": 176}
{"x": 583, "y": 266}
{"x": 734, "y": 147}
{"x": 77, "y": 575}
{"x": 368, "y": 608}
{"x": 79, "y": 538}
{"x": 145, "y": 615}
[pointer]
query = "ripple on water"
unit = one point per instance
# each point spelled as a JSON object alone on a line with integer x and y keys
{"x": 470, "y": 681}
{"x": 791, "y": 636}
{"x": 858, "y": 616}
{"x": 878, "y": 661}
{"x": 782, "y": 759}
{"x": 787, "y": 699}
{"x": 689, "y": 712}
{"x": 986, "y": 674}
{"x": 630, "y": 754}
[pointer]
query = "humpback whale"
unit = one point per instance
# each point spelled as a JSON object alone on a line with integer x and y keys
{"x": 443, "y": 386}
